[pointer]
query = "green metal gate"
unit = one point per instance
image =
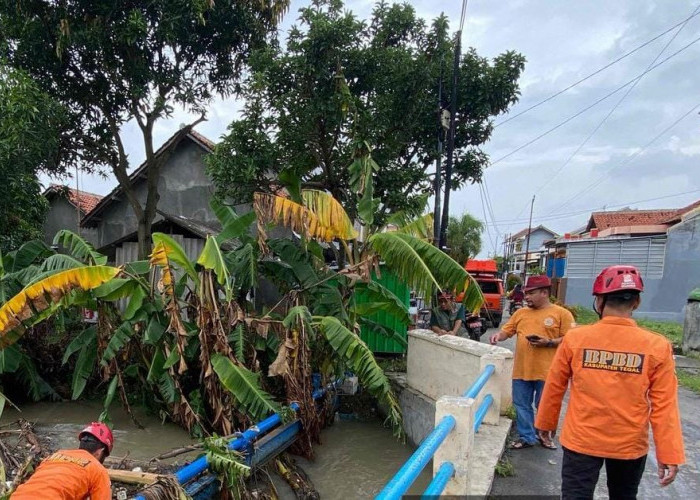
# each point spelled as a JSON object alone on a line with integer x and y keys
{"x": 376, "y": 341}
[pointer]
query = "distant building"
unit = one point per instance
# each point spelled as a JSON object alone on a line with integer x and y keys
{"x": 66, "y": 209}
{"x": 537, "y": 251}
{"x": 663, "y": 244}
{"x": 183, "y": 206}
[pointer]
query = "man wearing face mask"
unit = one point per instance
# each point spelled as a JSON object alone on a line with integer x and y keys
{"x": 622, "y": 379}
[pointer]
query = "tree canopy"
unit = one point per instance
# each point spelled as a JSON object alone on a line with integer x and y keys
{"x": 464, "y": 237}
{"x": 341, "y": 88}
{"x": 30, "y": 142}
{"x": 110, "y": 62}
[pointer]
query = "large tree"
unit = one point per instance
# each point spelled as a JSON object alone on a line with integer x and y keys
{"x": 341, "y": 87}
{"x": 464, "y": 237}
{"x": 110, "y": 62}
{"x": 30, "y": 142}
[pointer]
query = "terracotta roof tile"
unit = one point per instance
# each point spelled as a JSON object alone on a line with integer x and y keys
{"x": 81, "y": 199}
{"x": 605, "y": 220}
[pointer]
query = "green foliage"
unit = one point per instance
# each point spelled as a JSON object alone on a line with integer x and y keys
{"x": 341, "y": 88}
{"x": 244, "y": 386}
{"x": 512, "y": 280}
{"x": 379, "y": 298}
{"x": 79, "y": 248}
{"x": 361, "y": 361}
{"x": 118, "y": 340}
{"x": 176, "y": 254}
{"x": 30, "y": 142}
{"x": 84, "y": 367}
{"x": 425, "y": 268}
{"x": 227, "y": 464}
{"x": 689, "y": 380}
{"x": 464, "y": 237}
{"x": 109, "y": 63}
{"x": 505, "y": 468}
{"x": 672, "y": 331}
{"x": 211, "y": 258}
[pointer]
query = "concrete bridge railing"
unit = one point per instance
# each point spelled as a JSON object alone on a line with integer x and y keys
{"x": 469, "y": 384}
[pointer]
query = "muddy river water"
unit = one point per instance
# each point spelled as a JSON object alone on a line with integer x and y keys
{"x": 355, "y": 459}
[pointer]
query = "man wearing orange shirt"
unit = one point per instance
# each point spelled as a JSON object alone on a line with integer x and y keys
{"x": 73, "y": 474}
{"x": 539, "y": 327}
{"x": 622, "y": 379}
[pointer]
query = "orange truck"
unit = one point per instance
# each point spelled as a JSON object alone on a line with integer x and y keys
{"x": 485, "y": 272}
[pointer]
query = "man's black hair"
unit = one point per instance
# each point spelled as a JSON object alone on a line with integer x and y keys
{"x": 91, "y": 444}
{"x": 622, "y": 300}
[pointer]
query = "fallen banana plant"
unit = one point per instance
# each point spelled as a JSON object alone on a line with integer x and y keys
{"x": 26, "y": 308}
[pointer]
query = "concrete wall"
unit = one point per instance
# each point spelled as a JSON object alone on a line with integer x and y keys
{"x": 184, "y": 190}
{"x": 63, "y": 215}
{"x": 664, "y": 298}
{"x": 447, "y": 366}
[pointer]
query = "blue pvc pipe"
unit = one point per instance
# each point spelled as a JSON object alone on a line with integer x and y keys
{"x": 442, "y": 477}
{"x": 482, "y": 411}
{"x": 196, "y": 467}
{"x": 408, "y": 473}
{"x": 480, "y": 382}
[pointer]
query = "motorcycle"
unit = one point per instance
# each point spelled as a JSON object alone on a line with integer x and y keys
{"x": 514, "y": 306}
{"x": 474, "y": 326}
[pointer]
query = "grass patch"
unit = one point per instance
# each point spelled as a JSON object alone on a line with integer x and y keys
{"x": 583, "y": 315}
{"x": 672, "y": 331}
{"x": 504, "y": 468}
{"x": 510, "y": 412}
{"x": 689, "y": 380}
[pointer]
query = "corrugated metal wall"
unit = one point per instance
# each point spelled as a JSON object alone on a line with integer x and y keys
{"x": 376, "y": 341}
{"x": 587, "y": 259}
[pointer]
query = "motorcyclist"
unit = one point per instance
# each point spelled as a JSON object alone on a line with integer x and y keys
{"x": 516, "y": 296}
{"x": 74, "y": 474}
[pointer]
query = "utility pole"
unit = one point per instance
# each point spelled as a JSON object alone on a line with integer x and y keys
{"x": 438, "y": 165}
{"x": 527, "y": 240}
{"x": 451, "y": 141}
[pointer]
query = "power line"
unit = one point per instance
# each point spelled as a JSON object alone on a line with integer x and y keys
{"x": 483, "y": 208}
{"x": 579, "y": 113}
{"x": 628, "y": 159}
{"x": 614, "y": 108}
{"x": 463, "y": 16}
{"x": 557, "y": 94}
{"x": 588, "y": 210}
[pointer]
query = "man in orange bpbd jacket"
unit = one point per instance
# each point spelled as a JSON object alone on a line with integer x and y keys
{"x": 622, "y": 378}
{"x": 73, "y": 474}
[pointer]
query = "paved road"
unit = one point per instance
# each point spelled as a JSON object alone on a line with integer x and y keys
{"x": 537, "y": 470}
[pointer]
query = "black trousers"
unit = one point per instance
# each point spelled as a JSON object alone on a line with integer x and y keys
{"x": 579, "y": 476}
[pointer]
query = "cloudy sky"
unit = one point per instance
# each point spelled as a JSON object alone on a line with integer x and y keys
{"x": 590, "y": 162}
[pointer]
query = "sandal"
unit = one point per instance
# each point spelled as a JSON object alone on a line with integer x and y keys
{"x": 520, "y": 445}
{"x": 547, "y": 444}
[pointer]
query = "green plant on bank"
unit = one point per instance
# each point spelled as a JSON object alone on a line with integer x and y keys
{"x": 689, "y": 380}
{"x": 227, "y": 464}
{"x": 505, "y": 468}
{"x": 510, "y": 412}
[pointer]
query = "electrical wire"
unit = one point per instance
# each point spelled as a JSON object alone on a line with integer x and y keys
{"x": 486, "y": 224}
{"x": 613, "y": 109}
{"x": 589, "y": 210}
{"x": 627, "y": 160}
{"x": 579, "y": 113}
{"x": 578, "y": 82}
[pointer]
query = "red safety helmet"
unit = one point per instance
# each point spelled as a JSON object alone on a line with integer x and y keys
{"x": 101, "y": 432}
{"x": 618, "y": 279}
